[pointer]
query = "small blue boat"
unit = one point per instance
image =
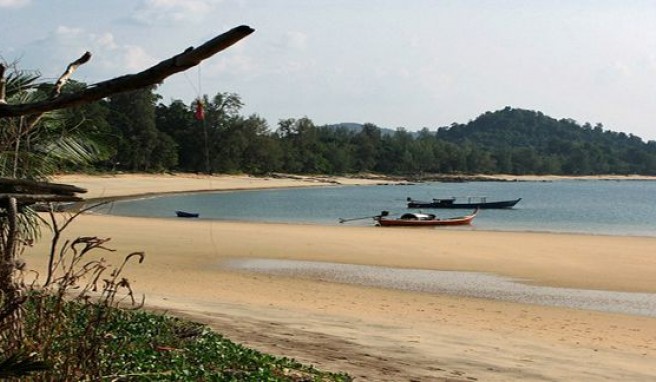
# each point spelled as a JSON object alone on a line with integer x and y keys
{"x": 184, "y": 214}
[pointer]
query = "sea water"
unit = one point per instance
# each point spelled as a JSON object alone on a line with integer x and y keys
{"x": 604, "y": 207}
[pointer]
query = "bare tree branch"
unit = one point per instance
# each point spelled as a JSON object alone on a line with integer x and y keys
{"x": 3, "y": 83}
{"x": 24, "y": 186}
{"x": 26, "y": 199}
{"x": 154, "y": 75}
{"x": 72, "y": 67}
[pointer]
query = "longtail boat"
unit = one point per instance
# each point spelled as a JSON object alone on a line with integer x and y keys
{"x": 412, "y": 219}
{"x": 467, "y": 202}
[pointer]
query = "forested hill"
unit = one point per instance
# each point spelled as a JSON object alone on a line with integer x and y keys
{"x": 558, "y": 146}
{"x": 519, "y": 127}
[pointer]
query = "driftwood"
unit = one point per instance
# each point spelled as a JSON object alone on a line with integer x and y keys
{"x": 151, "y": 76}
{"x": 27, "y": 192}
{"x": 10, "y": 185}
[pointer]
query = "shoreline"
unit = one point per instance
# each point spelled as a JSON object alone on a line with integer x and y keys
{"x": 378, "y": 334}
{"x": 185, "y": 182}
{"x": 293, "y": 182}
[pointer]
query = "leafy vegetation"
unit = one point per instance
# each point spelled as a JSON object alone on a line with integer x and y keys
{"x": 135, "y": 131}
{"x": 136, "y": 345}
{"x": 64, "y": 139}
{"x": 523, "y": 141}
{"x": 151, "y": 136}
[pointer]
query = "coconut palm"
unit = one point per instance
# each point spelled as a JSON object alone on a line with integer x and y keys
{"x": 31, "y": 147}
{"x": 36, "y": 147}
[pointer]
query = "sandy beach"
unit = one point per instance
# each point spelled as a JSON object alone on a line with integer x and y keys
{"x": 378, "y": 334}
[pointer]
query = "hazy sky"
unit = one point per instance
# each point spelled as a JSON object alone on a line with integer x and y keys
{"x": 395, "y": 63}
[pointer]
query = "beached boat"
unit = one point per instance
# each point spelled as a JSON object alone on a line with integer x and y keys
{"x": 467, "y": 202}
{"x": 184, "y": 214}
{"x": 413, "y": 219}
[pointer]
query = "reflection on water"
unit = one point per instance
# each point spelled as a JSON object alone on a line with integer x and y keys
{"x": 467, "y": 284}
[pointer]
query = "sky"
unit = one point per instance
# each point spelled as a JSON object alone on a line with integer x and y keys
{"x": 394, "y": 63}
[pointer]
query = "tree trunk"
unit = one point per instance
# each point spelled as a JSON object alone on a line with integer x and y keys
{"x": 12, "y": 297}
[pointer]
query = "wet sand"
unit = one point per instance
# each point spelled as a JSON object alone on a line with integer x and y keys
{"x": 453, "y": 283}
{"x": 380, "y": 334}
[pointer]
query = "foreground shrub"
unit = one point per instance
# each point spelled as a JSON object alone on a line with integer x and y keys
{"x": 84, "y": 324}
{"x": 141, "y": 346}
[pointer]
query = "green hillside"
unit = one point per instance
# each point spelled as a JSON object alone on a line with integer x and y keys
{"x": 556, "y": 146}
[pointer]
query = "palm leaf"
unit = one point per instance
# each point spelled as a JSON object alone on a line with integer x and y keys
{"x": 20, "y": 82}
{"x": 74, "y": 150}
{"x": 20, "y": 365}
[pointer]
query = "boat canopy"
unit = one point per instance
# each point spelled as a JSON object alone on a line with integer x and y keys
{"x": 417, "y": 216}
{"x": 470, "y": 199}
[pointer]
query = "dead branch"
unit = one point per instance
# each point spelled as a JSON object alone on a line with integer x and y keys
{"x": 11, "y": 185}
{"x": 24, "y": 199}
{"x": 151, "y": 76}
{"x": 3, "y": 84}
{"x": 72, "y": 67}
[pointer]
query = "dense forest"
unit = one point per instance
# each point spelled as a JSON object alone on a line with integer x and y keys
{"x": 136, "y": 131}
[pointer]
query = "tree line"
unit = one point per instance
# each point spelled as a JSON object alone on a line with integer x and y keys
{"x": 136, "y": 131}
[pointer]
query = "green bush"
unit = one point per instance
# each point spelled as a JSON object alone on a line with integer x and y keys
{"x": 95, "y": 342}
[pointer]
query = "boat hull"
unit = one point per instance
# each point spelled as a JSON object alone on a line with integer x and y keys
{"x": 184, "y": 214}
{"x": 392, "y": 222}
{"x": 447, "y": 203}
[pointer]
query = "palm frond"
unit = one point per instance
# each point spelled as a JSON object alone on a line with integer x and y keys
{"x": 73, "y": 150}
{"x": 20, "y": 365}
{"x": 21, "y": 82}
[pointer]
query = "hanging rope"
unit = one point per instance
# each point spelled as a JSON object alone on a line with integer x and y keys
{"x": 199, "y": 114}
{"x": 199, "y": 107}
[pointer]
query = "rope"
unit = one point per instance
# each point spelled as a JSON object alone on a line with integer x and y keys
{"x": 191, "y": 83}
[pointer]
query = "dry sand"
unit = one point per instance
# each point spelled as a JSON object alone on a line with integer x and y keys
{"x": 379, "y": 334}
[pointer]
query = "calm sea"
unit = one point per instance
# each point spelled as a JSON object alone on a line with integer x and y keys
{"x": 578, "y": 206}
